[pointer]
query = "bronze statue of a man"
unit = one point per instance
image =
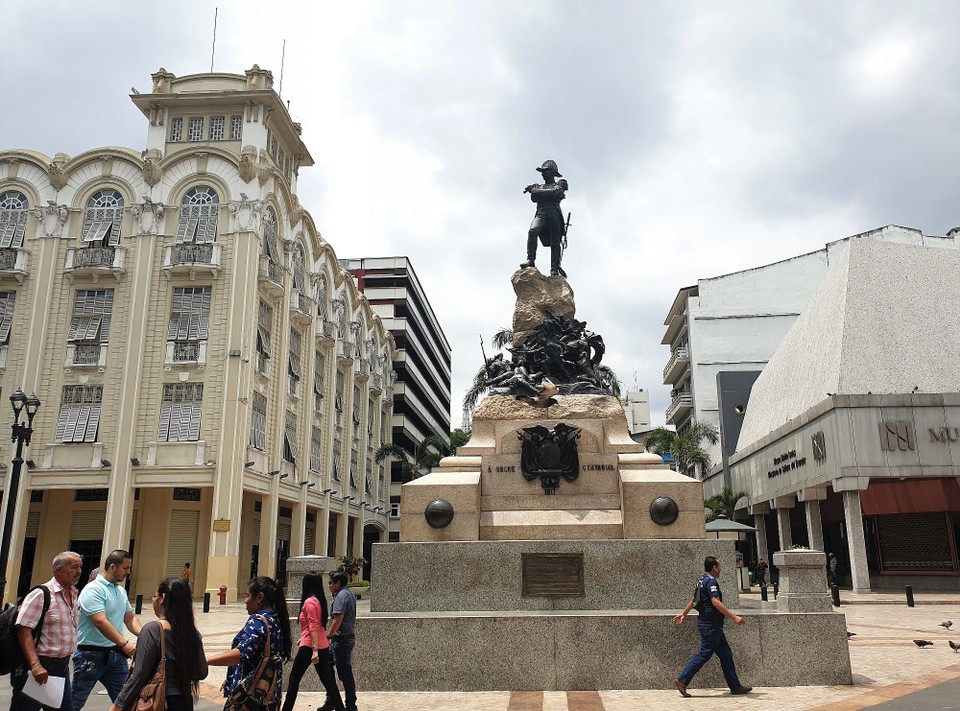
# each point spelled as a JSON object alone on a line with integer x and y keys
{"x": 547, "y": 225}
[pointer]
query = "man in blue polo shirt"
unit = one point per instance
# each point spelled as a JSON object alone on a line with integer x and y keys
{"x": 102, "y": 650}
{"x": 710, "y": 626}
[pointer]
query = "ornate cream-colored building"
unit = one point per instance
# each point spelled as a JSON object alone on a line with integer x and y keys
{"x": 214, "y": 387}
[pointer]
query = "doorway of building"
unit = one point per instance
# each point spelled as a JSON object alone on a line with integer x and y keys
{"x": 91, "y": 551}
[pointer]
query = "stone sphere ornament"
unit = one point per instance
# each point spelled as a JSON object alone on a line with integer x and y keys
{"x": 439, "y": 513}
{"x": 664, "y": 510}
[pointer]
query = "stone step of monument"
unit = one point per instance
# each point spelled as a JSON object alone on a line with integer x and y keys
{"x": 510, "y": 482}
{"x": 551, "y": 524}
{"x": 540, "y": 502}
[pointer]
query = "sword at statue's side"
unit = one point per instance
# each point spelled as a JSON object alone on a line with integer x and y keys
{"x": 566, "y": 231}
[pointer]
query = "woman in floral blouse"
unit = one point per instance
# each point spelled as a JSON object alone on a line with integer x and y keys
{"x": 264, "y": 601}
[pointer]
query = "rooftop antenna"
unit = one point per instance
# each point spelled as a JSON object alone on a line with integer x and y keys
{"x": 283, "y": 57}
{"x": 213, "y": 49}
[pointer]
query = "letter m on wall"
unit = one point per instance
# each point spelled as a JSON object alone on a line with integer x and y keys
{"x": 897, "y": 436}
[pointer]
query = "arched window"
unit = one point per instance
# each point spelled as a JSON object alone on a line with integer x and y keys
{"x": 270, "y": 247}
{"x": 298, "y": 269}
{"x": 101, "y": 219}
{"x": 13, "y": 219}
{"x": 198, "y": 216}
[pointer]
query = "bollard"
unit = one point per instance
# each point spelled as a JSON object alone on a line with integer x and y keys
{"x": 139, "y": 608}
{"x": 835, "y": 591}
{"x": 776, "y": 590}
{"x": 763, "y": 593}
{"x": 206, "y": 602}
{"x": 910, "y": 596}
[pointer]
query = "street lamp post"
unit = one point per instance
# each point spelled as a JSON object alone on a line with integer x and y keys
{"x": 21, "y": 435}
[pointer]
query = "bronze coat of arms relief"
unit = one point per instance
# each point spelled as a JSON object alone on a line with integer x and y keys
{"x": 549, "y": 454}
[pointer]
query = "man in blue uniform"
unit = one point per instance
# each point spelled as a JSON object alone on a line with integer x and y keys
{"x": 710, "y": 625}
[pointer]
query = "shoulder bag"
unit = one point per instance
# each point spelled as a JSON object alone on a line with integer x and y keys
{"x": 253, "y": 693}
{"x": 153, "y": 694}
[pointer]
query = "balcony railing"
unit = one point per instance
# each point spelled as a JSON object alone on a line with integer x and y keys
{"x": 191, "y": 258}
{"x": 95, "y": 261}
{"x": 301, "y": 307}
{"x": 678, "y": 358}
{"x": 270, "y": 275}
{"x": 186, "y": 352}
{"x": 680, "y": 403}
{"x": 86, "y": 355}
{"x": 13, "y": 263}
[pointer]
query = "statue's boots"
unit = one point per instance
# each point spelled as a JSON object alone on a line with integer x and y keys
{"x": 555, "y": 254}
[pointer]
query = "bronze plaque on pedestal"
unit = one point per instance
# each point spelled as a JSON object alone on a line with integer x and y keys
{"x": 552, "y": 574}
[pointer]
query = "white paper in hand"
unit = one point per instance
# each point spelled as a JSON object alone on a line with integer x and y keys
{"x": 49, "y": 694}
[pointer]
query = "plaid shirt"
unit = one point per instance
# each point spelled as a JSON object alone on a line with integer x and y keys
{"x": 58, "y": 638}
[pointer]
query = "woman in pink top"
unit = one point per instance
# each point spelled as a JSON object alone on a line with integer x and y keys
{"x": 314, "y": 646}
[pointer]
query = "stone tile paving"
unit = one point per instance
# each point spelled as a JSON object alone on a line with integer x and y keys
{"x": 886, "y": 665}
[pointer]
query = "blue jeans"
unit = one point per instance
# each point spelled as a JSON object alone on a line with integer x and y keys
{"x": 712, "y": 641}
{"x": 341, "y": 649}
{"x": 54, "y": 667}
{"x": 107, "y": 666}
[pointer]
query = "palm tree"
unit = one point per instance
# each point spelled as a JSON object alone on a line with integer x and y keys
{"x": 723, "y": 503}
{"x": 685, "y": 449}
{"x": 427, "y": 455}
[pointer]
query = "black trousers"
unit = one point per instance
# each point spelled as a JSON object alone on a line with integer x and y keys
{"x": 324, "y": 670}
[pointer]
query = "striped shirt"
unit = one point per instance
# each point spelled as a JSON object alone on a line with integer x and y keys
{"x": 58, "y": 638}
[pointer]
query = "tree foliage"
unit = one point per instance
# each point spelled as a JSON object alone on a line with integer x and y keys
{"x": 430, "y": 450}
{"x": 685, "y": 449}
{"x": 723, "y": 503}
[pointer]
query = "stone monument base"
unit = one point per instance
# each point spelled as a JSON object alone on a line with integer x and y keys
{"x": 584, "y": 650}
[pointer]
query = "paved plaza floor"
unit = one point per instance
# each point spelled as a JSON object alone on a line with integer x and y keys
{"x": 889, "y": 671}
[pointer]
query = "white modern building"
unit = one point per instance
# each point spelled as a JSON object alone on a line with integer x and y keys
{"x": 213, "y": 384}
{"x": 636, "y": 406}
{"x": 421, "y": 392}
{"x": 851, "y": 439}
{"x": 734, "y": 323}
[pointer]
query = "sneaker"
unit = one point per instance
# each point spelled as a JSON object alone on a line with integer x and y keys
{"x": 742, "y": 690}
{"x": 682, "y": 688}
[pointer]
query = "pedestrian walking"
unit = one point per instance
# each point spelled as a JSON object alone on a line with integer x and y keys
{"x": 50, "y": 654}
{"x": 761, "y": 570}
{"x": 314, "y": 647}
{"x": 102, "y": 650}
{"x": 183, "y": 657}
{"x": 708, "y": 600}
{"x": 341, "y": 634}
{"x": 832, "y": 565}
{"x": 268, "y": 619}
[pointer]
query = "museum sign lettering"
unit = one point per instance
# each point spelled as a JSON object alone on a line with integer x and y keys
{"x": 944, "y": 434}
{"x": 786, "y": 462}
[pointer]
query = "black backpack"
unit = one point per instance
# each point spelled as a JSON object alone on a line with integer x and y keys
{"x": 11, "y": 656}
{"x": 698, "y": 602}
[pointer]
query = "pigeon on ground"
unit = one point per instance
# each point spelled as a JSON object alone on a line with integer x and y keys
{"x": 946, "y": 624}
{"x": 922, "y": 643}
{"x": 851, "y": 634}
{"x": 954, "y": 646}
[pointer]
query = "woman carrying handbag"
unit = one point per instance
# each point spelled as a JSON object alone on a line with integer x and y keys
{"x": 314, "y": 645}
{"x": 256, "y": 656}
{"x": 169, "y": 661}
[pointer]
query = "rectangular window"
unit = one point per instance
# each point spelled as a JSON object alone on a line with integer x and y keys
{"x": 258, "y": 422}
{"x": 189, "y": 321}
{"x": 7, "y": 301}
{"x": 356, "y": 412}
{"x": 217, "y": 124}
{"x": 79, "y": 413}
{"x": 236, "y": 126}
{"x": 316, "y": 449}
{"x": 294, "y": 371}
{"x": 184, "y": 494}
{"x": 91, "y": 316}
{"x": 180, "y": 412}
{"x": 196, "y": 129}
{"x": 338, "y": 399}
{"x": 370, "y": 442}
{"x": 353, "y": 469}
{"x": 337, "y": 468}
{"x": 368, "y": 479}
{"x": 291, "y": 450}
{"x": 394, "y": 507}
{"x": 176, "y": 129}
{"x": 264, "y": 322}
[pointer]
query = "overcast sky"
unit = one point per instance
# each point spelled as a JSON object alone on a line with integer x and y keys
{"x": 698, "y": 138}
